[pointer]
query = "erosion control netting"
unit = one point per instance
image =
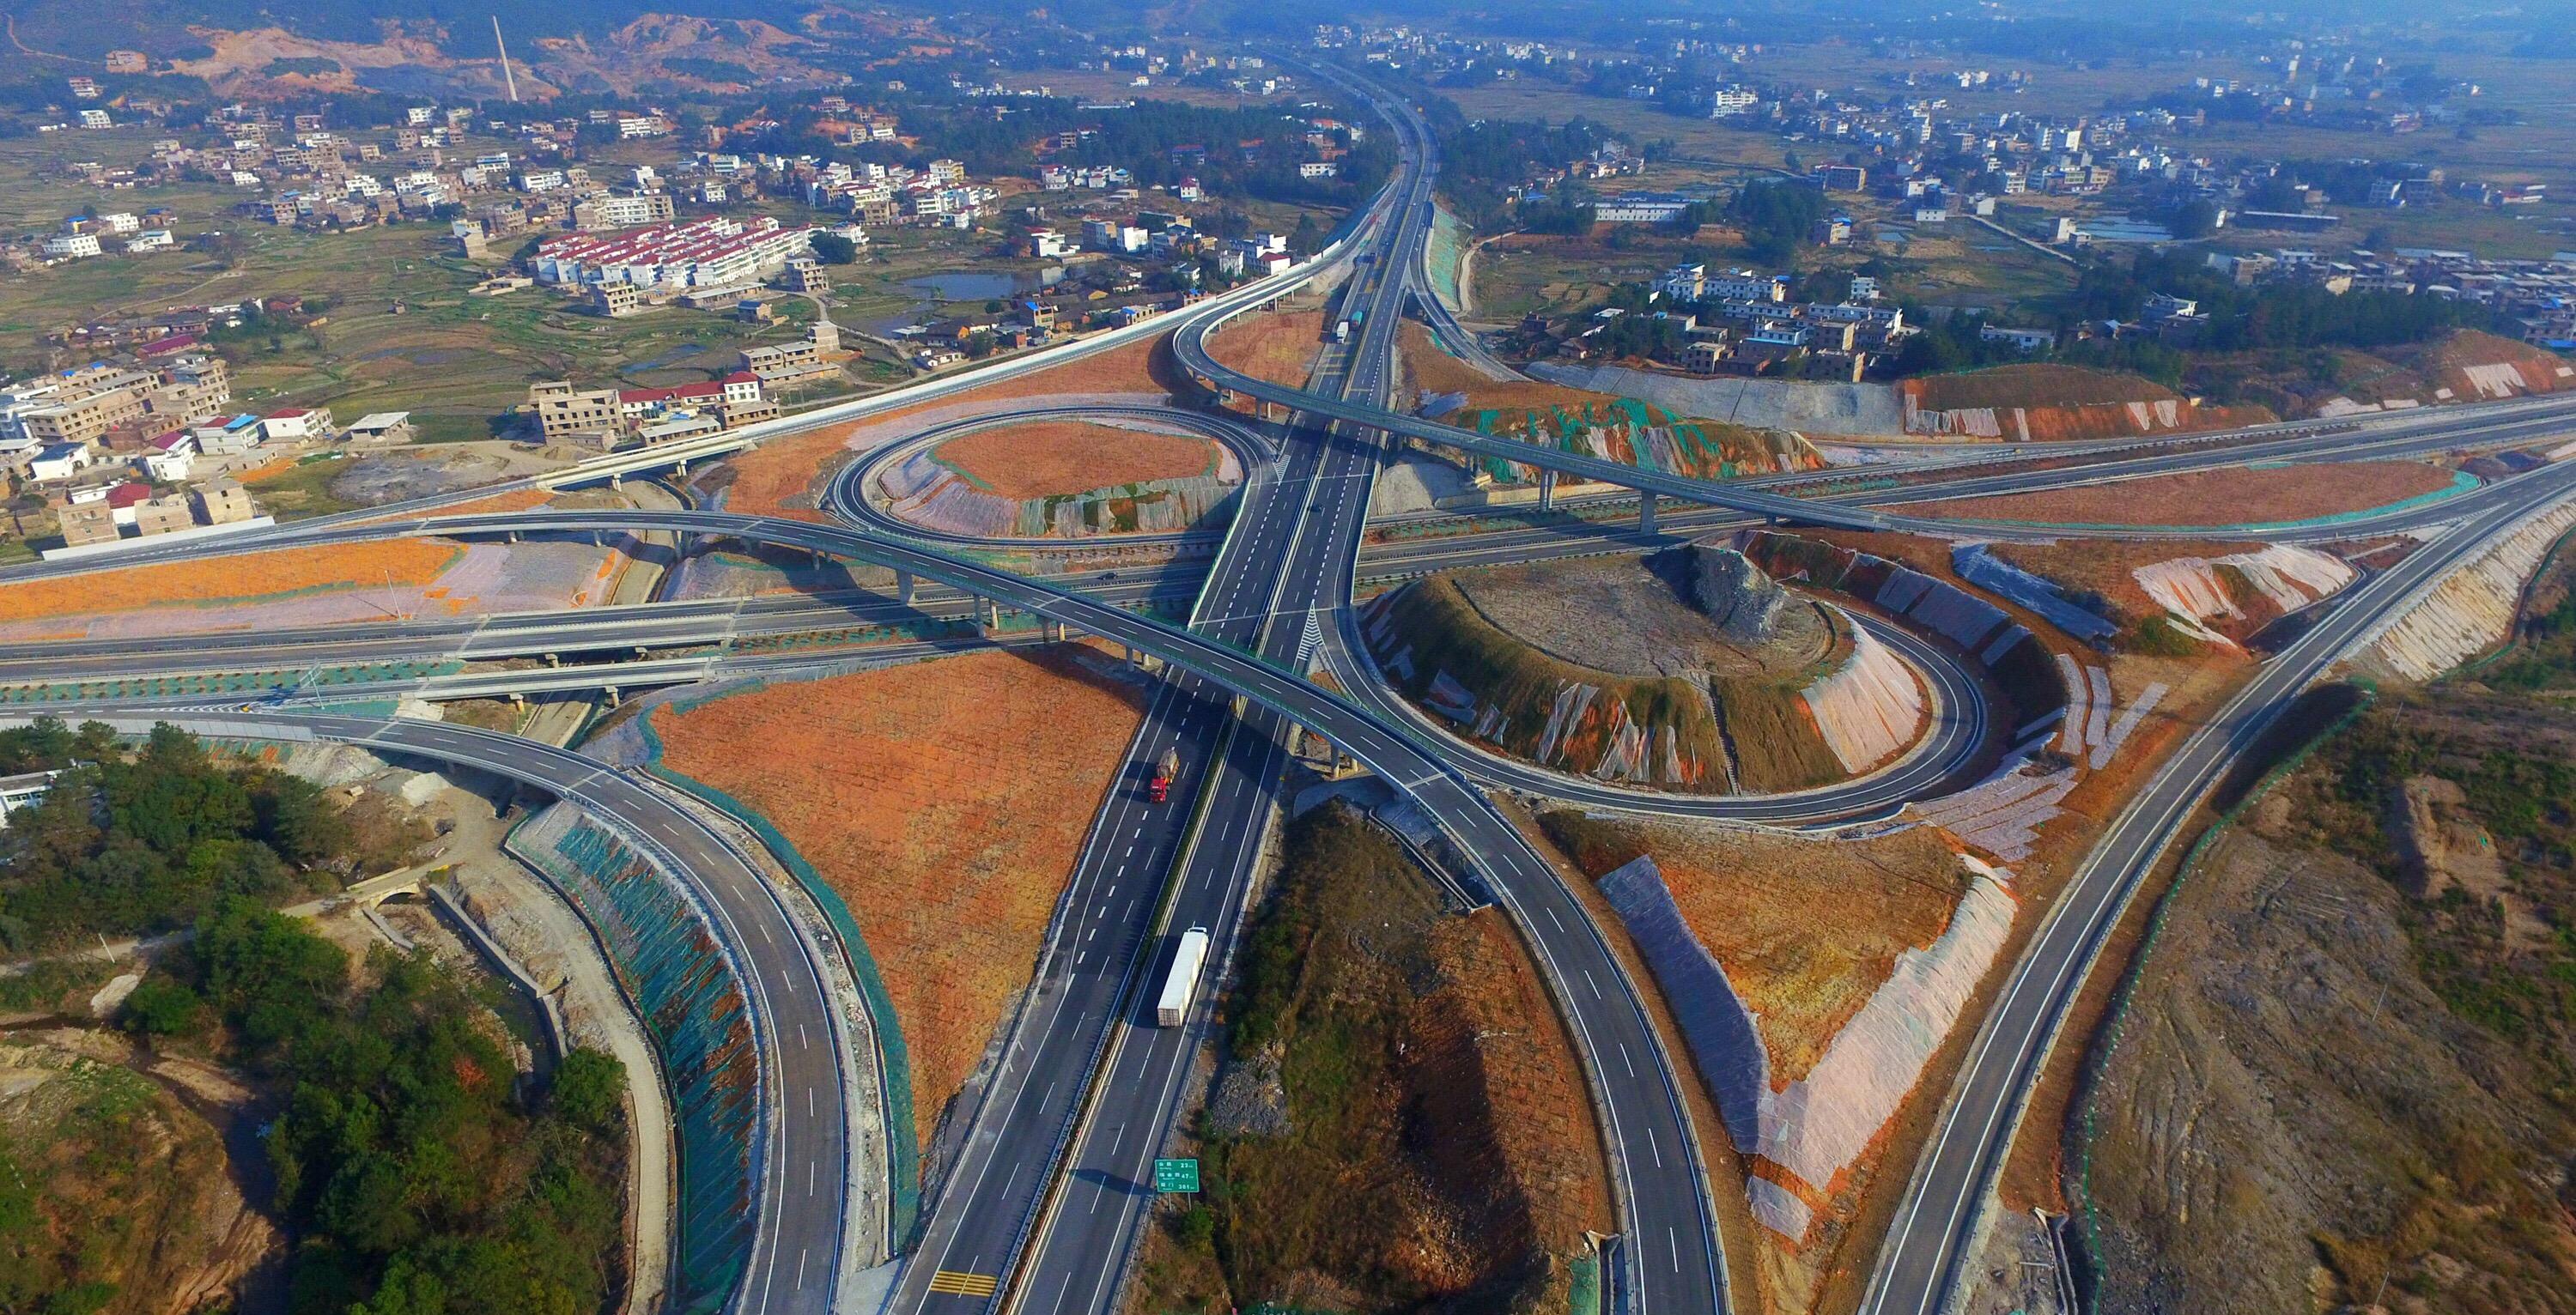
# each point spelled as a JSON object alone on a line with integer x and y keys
{"x": 894, "y": 1064}
{"x": 666, "y": 960}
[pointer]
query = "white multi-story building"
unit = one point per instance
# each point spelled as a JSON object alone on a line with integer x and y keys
{"x": 706, "y": 253}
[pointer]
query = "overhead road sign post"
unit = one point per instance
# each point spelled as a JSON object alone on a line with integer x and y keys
{"x": 1180, "y": 1175}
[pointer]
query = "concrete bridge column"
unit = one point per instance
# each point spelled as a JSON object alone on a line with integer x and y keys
{"x": 611, "y": 692}
{"x": 903, "y": 587}
{"x": 1645, "y": 514}
{"x": 616, "y": 480}
{"x": 1546, "y": 490}
{"x": 680, "y": 467}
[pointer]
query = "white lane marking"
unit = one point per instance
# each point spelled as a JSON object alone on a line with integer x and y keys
{"x": 801, "y": 1042}
{"x": 1623, "y": 1059}
{"x": 1551, "y": 917}
{"x": 1596, "y": 986}
{"x": 1655, "y": 1144}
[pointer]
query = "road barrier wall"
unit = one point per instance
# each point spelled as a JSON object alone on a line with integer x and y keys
{"x": 893, "y": 1062}
{"x": 666, "y": 958}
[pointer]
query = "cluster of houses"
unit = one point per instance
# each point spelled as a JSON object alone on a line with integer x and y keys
{"x": 604, "y": 418}
{"x": 1744, "y": 322}
{"x": 142, "y": 443}
{"x": 2537, "y": 298}
{"x": 937, "y": 195}
{"x": 115, "y": 232}
{"x": 1165, "y": 235}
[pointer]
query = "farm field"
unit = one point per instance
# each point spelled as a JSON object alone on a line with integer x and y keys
{"x": 943, "y": 814}
{"x": 401, "y": 331}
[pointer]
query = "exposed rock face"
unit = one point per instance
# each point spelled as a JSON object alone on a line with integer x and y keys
{"x": 1745, "y": 603}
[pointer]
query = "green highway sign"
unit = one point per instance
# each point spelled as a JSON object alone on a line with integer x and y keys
{"x": 1176, "y": 1175}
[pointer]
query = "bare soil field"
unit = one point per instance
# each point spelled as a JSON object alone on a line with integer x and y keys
{"x": 220, "y": 581}
{"x": 943, "y": 814}
{"x": 777, "y": 477}
{"x": 1066, "y": 457}
{"x": 1280, "y": 348}
{"x": 2035, "y": 385}
{"x": 2214, "y": 498}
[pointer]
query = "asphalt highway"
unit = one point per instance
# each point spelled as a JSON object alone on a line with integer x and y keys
{"x": 1920, "y": 1263}
{"x": 855, "y": 488}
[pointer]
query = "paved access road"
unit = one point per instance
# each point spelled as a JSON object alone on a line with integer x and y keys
{"x": 1920, "y": 1263}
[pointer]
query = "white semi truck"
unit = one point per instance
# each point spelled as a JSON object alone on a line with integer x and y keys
{"x": 1187, "y": 959}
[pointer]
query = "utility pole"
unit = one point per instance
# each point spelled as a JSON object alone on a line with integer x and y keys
{"x": 506, "y": 79}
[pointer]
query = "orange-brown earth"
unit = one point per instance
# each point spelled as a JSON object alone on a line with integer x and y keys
{"x": 1062, "y": 457}
{"x": 944, "y": 813}
{"x": 1280, "y": 348}
{"x": 773, "y": 478}
{"x": 2211, "y": 497}
{"x": 414, "y": 562}
{"x": 2059, "y": 402}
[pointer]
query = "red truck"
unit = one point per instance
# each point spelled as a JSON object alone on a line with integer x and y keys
{"x": 1158, "y": 787}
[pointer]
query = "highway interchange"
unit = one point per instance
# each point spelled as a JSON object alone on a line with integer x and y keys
{"x": 1042, "y": 1194}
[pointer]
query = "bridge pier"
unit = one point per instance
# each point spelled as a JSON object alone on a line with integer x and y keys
{"x": 1546, "y": 490}
{"x": 554, "y": 659}
{"x": 1645, "y": 514}
{"x": 903, "y": 587}
{"x": 616, "y": 480}
{"x": 611, "y": 692}
{"x": 680, "y": 467}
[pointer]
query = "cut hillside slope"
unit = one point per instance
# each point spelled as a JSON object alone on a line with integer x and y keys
{"x": 2465, "y": 365}
{"x": 1813, "y": 980}
{"x": 2027, "y": 403}
{"x": 2219, "y": 499}
{"x": 1620, "y": 429}
{"x": 2211, "y": 590}
{"x": 1062, "y": 479}
{"x": 122, "y": 1200}
{"x": 1402, "y": 1124}
{"x": 2383, "y": 937}
{"x": 945, "y": 815}
{"x": 1688, "y": 670}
